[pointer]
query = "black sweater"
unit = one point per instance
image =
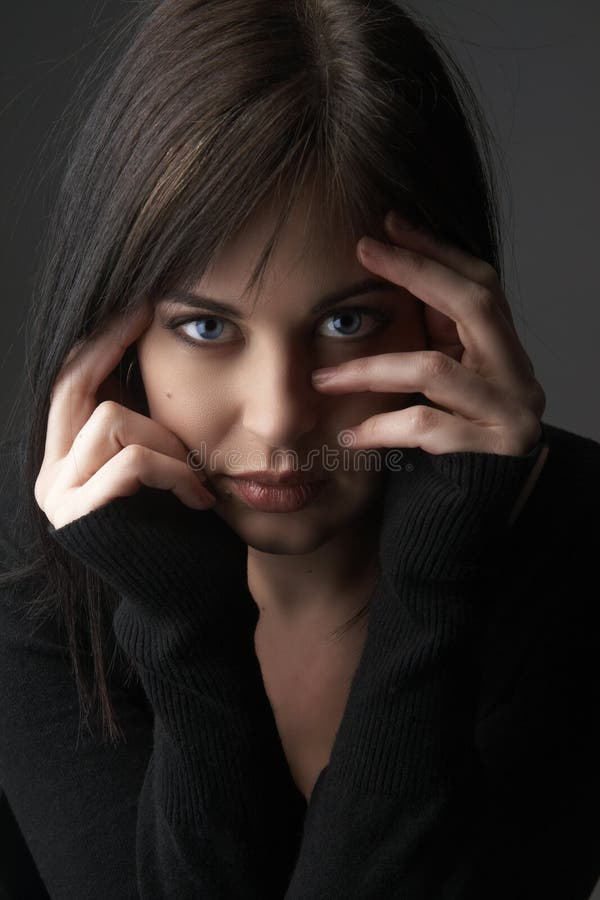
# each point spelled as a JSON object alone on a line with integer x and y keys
{"x": 466, "y": 763}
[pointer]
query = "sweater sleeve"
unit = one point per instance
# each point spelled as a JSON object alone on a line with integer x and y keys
{"x": 397, "y": 812}
{"x": 219, "y": 815}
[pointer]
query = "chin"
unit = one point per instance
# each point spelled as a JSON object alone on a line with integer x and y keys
{"x": 295, "y": 533}
{"x": 282, "y": 533}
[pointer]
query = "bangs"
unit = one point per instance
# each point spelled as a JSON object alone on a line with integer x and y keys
{"x": 325, "y": 193}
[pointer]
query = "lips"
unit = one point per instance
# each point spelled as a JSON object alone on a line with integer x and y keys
{"x": 277, "y": 498}
{"x": 279, "y": 479}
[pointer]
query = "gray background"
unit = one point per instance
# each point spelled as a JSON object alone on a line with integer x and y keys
{"x": 534, "y": 65}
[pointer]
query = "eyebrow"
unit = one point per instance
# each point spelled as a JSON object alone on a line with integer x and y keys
{"x": 330, "y": 300}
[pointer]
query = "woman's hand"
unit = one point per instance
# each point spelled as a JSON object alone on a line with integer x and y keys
{"x": 96, "y": 452}
{"x": 485, "y": 397}
{"x": 110, "y": 485}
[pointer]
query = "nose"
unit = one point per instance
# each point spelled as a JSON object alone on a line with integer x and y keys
{"x": 280, "y": 404}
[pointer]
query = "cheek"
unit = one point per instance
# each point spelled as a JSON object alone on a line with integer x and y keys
{"x": 190, "y": 403}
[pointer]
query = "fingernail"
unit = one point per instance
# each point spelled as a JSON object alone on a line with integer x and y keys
{"x": 321, "y": 375}
{"x": 207, "y": 497}
{"x": 203, "y": 489}
{"x": 370, "y": 247}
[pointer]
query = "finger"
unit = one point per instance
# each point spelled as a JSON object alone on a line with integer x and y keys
{"x": 428, "y": 372}
{"x": 403, "y": 232}
{"x": 110, "y": 428}
{"x": 490, "y": 341}
{"x": 122, "y": 476}
{"x": 435, "y": 431}
{"x": 87, "y": 366}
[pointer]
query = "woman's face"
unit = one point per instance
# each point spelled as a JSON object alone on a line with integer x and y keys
{"x": 239, "y": 390}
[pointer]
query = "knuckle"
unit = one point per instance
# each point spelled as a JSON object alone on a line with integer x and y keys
{"x": 487, "y": 275}
{"x": 422, "y": 418}
{"x": 38, "y": 491}
{"x": 483, "y": 299}
{"x": 134, "y": 455}
{"x": 537, "y": 399}
{"x": 106, "y": 411}
{"x": 437, "y": 364}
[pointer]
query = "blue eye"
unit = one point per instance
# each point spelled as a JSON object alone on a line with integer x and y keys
{"x": 211, "y": 333}
{"x": 344, "y": 319}
{"x": 209, "y": 328}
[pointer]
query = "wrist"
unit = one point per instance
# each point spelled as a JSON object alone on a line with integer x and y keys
{"x": 176, "y": 566}
{"x": 445, "y": 514}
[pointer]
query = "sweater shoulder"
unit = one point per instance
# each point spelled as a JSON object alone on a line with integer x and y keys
{"x": 32, "y": 609}
{"x": 14, "y": 534}
{"x": 568, "y": 488}
{"x": 28, "y": 608}
{"x": 570, "y": 444}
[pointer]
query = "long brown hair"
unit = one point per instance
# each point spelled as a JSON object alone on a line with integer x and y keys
{"x": 214, "y": 108}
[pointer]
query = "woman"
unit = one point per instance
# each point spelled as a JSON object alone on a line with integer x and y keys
{"x": 225, "y": 175}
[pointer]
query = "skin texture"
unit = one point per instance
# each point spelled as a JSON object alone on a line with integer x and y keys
{"x": 248, "y": 392}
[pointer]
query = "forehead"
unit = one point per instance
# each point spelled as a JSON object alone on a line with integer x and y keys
{"x": 294, "y": 272}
